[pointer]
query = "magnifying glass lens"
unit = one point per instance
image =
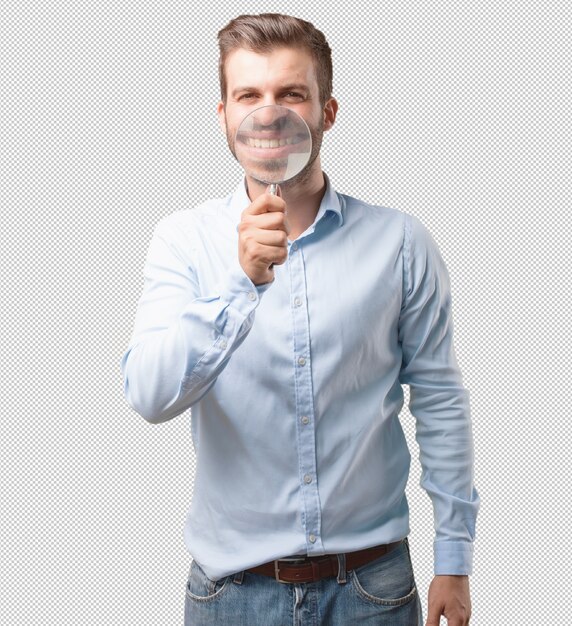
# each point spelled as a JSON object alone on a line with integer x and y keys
{"x": 273, "y": 144}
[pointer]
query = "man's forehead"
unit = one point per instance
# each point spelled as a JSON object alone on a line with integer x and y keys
{"x": 277, "y": 64}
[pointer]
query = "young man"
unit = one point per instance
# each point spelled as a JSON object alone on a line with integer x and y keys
{"x": 289, "y": 323}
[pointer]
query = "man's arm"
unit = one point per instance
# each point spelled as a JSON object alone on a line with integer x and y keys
{"x": 439, "y": 402}
{"x": 182, "y": 341}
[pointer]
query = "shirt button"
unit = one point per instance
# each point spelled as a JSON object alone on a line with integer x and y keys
{"x": 294, "y": 246}
{"x": 298, "y": 302}
{"x": 251, "y": 295}
{"x": 302, "y": 361}
{"x": 307, "y": 479}
{"x": 223, "y": 344}
{"x": 305, "y": 419}
{"x": 312, "y": 538}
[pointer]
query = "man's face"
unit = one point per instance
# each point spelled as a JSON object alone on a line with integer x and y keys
{"x": 284, "y": 76}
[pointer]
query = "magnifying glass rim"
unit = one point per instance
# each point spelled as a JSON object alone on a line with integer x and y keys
{"x": 278, "y": 106}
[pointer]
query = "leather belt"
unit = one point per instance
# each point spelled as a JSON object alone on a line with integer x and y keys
{"x": 306, "y": 569}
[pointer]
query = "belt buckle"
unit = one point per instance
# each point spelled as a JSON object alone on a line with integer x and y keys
{"x": 300, "y": 559}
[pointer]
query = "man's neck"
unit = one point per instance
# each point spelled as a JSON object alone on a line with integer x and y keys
{"x": 302, "y": 199}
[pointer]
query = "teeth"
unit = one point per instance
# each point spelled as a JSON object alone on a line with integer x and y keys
{"x": 269, "y": 143}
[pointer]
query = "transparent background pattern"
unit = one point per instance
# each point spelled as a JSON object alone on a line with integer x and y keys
{"x": 455, "y": 112}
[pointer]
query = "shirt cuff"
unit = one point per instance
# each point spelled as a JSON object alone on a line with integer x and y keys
{"x": 240, "y": 292}
{"x": 453, "y": 557}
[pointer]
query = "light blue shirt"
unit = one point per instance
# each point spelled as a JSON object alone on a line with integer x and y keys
{"x": 295, "y": 386}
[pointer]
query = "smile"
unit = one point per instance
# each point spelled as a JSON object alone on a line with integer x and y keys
{"x": 270, "y": 143}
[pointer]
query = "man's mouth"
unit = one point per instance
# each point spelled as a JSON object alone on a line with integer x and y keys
{"x": 270, "y": 143}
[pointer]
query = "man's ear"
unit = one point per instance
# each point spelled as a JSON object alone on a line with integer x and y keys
{"x": 330, "y": 112}
{"x": 221, "y": 117}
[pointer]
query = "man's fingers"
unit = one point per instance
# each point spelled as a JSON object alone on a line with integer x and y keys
{"x": 449, "y": 595}
{"x": 263, "y": 237}
{"x": 265, "y": 204}
{"x": 271, "y": 237}
{"x": 270, "y": 221}
{"x": 457, "y": 620}
{"x": 271, "y": 254}
{"x": 433, "y": 615}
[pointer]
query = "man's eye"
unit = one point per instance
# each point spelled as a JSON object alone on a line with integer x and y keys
{"x": 294, "y": 95}
{"x": 246, "y": 96}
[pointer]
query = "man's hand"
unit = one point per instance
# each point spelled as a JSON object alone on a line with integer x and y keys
{"x": 263, "y": 238}
{"x": 449, "y": 596}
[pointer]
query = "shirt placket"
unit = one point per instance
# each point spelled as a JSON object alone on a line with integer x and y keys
{"x": 305, "y": 427}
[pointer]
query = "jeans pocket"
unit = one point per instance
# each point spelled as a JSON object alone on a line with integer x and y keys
{"x": 388, "y": 580}
{"x": 201, "y": 588}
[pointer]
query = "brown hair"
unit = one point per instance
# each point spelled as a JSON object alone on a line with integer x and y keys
{"x": 267, "y": 31}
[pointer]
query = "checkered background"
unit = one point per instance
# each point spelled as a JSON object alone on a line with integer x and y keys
{"x": 455, "y": 112}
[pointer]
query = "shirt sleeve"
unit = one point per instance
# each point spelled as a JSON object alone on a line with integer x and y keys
{"x": 438, "y": 400}
{"x": 182, "y": 340}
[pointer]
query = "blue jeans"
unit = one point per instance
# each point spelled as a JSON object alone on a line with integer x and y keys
{"x": 381, "y": 592}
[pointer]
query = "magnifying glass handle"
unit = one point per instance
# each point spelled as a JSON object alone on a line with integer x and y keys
{"x": 272, "y": 190}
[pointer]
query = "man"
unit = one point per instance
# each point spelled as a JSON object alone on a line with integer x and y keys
{"x": 289, "y": 323}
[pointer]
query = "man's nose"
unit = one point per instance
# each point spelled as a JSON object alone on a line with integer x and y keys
{"x": 269, "y": 114}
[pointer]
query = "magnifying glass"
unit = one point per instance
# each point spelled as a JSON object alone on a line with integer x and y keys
{"x": 273, "y": 144}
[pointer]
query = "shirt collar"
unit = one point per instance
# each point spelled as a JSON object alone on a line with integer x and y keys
{"x": 331, "y": 201}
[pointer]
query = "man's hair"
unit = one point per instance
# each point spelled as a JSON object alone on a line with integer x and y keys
{"x": 268, "y": 31}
